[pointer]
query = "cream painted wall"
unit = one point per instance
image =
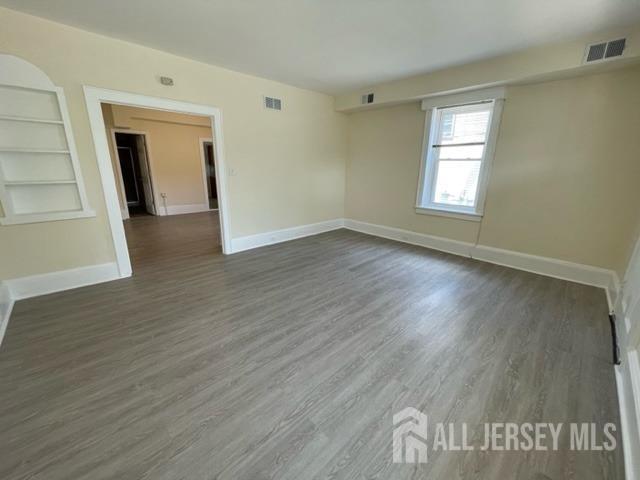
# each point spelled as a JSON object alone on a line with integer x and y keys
{"x": 290, "y": 165}
{"x": 174, "y": 147}
{"x": 537, "y": 63}
{"x": 565, "y": 181}
{"x": 564, "y": 184}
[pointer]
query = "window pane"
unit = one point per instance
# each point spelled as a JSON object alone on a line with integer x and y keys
{"x": 457, "y": 183}
{"x": 459, "y": 126}
{"x": 460, "y": 153}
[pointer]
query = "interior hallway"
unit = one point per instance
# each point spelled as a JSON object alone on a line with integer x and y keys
{"x": 289, "y": 361}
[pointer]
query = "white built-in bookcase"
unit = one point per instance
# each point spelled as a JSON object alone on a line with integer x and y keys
{"x": 40, "y": 177}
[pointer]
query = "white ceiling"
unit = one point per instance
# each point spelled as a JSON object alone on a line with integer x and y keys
{"x": 337, "y": 45}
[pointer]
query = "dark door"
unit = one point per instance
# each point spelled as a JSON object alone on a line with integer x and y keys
{"x": 131, "y": 173}
{"x": 210, "y": 169}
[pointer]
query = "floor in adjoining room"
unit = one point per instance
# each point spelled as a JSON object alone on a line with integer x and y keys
{"x": 288, "y": 362}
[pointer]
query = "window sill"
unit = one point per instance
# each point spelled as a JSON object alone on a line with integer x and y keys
{"x": 458, "y": 214}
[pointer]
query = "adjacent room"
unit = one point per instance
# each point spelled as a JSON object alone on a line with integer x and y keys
{"x": 164, "y": 168}
{"x": 318, "y": 240}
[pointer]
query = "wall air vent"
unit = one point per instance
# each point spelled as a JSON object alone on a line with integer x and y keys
{"x": 366, "y": 98}
{"x": 604, "y": 50}
{"x": 272, "y": 103}
{"x": 615, "y": 48}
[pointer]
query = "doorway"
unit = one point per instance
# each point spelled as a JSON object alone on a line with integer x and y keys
{"x": 209, "y": 172}
{"x": 95, "y": 97}
{"x": 133, "y": 160}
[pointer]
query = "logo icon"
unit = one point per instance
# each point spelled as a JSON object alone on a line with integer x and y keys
{"x": 410, "y": 436}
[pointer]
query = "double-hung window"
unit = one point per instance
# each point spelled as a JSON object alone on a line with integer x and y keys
{"x": 460, "y": 137}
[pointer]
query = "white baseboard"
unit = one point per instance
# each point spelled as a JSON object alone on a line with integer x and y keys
{"x": 406, "y": 236}
{"x": 182, "y": 209}
{"x": 276, "y": 236}
{"x": 34, "y": 285}
{"x": 551, "y": 267}
{"x": 6, "y": 305}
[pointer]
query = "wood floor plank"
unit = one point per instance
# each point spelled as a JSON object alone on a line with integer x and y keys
{"x": 289, "y": 361}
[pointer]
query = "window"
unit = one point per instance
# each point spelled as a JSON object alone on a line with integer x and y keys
{"x": 459, "y": 143}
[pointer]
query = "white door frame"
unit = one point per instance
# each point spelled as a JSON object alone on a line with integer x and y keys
{"x": 203, "y": 161}
{"x": 94, "y": 97}
{"x": 125, "y": 212}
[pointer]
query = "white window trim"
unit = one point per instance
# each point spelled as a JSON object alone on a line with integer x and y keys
{"x": 427, "y": 161}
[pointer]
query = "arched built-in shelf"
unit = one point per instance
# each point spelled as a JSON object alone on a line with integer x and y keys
{"x": 40, "y": 178}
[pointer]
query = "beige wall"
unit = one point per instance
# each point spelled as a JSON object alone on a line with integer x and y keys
{"x": 547, "y": 61}
{"x": 565, "y": 181}
{"x": 173, "y": 141}
{"x": 564, "y": 184}
{"x": 290, "y": 165}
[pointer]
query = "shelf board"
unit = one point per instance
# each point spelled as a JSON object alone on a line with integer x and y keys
{"x": 38, "y": 182}
{"x": 45, "y": 217}
{"x": 30, "y": 120}
{"x": 32, "y": 150}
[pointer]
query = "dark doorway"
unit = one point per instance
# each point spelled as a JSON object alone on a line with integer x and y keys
{"x": 210, "y": 172}
{"x": 132, "y": 155}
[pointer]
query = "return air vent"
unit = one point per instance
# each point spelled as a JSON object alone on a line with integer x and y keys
{"x": 272, "y": 103}
{"x": 366, "y": 98}
{"x": 604, "y": 50}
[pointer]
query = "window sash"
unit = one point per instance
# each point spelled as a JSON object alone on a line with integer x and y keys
{"x": 438, "y": 113}
{"x": 431, "y": 161}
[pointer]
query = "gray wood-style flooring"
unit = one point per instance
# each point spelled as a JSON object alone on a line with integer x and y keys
{"x": 288, "y": 362}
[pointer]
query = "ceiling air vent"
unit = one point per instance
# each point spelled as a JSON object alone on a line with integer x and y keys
{"x": 366, "y": 98}
{"x": 272, "y": 103}
{"x": 615, "y": 48}
{"x": 604, "y": 50}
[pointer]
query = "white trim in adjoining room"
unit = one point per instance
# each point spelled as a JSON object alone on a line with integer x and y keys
{"x": 182, "y": 209}
{"x": 94, "y": 97}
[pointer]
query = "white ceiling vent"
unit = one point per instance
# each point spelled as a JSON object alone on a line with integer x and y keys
{"x": 272, "y": 103}
{"x": 597, "y": 52}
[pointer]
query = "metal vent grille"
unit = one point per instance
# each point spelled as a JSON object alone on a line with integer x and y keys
{"x": 604, "y": 50}
{"x": 366, "y": 98}
{"x": 273, "y": 103}
{"x": 615, "y": 48}
{"x": 596, "y": 52}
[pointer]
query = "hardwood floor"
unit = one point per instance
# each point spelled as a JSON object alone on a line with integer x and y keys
{"x": 288, "y": 362}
